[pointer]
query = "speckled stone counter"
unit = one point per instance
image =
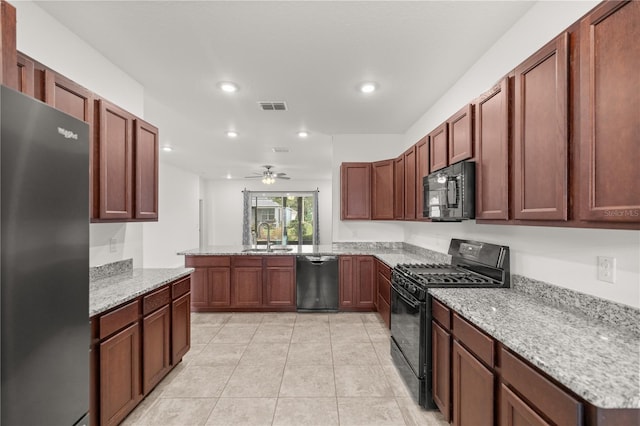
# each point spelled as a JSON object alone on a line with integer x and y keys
{"x": 106, "y": 293}
{"x": 392, "y": 254}
{"x": 598, "y": 361}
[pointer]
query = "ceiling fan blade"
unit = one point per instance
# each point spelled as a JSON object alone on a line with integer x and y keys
{"x": 283, "y": 177}
{"x": 253, "y": 177}
{"x": 279, "y": 174}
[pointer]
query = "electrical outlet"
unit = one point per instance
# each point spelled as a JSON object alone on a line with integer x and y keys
{"x": 607, "y": 269}
{"x": 112, "y": 245}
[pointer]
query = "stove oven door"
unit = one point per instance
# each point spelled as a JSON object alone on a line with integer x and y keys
{"x": 407, "y": 318}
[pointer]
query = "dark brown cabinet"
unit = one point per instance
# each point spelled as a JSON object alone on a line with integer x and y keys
{"x": 461, "y": 134}
{"x": 609, "y": 105}
{"x": 134, "y": 346}
{"x": 398, "y": 188}
{"x": 147, "y": 146}
{"x": 516, "y": 412}
{"x": 383, "y": 285}
{"x": 357, "y": 282}
{"x": 492, "y": 153}
{"x": 246, "y": 281}
{"x": 382, "y": 186}
{"x": 541, "y": 123}
{"x": 422, "y": 170}
{"x": 26, "y": 76}
{"x": 355, "y": 191}
{"x": 68, "y": 96}
{"x": 219, "y": 286}
{"x": 410, "y": 183}
{"x": 439, "y": 147}
{"x": 8, "y": 52}
{"x": 441, "y": 358}
{"x": 280, "y": 281}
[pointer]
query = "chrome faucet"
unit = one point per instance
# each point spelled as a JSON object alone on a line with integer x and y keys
{"x": 268, "y": 233}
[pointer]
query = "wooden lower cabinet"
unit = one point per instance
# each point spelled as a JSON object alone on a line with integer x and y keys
{"x": 280, "y": 281}
{"x": 357, "y": 283}
{"x": 246, "y": 286}
{"x": 383, "y": 288}
{"x": 120, "y": 375}
{"x": 515, "y": 412}
{"x": 441, "y": 377}
{"x": 156, "y": 347}
{"x": 473, "y": 385}
{"x": 134, "y": 346}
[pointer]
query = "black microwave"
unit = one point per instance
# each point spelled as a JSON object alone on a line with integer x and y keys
{"x": 449, "y": 193}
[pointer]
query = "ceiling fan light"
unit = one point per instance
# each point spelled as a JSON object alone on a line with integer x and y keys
{"x": 228, "y": 86}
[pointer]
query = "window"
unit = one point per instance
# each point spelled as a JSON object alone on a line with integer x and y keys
{"x": 291, "y": 218}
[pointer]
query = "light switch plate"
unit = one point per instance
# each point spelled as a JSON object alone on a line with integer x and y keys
{"x": 112, "y": 245}
{"x": 607, "y": 269}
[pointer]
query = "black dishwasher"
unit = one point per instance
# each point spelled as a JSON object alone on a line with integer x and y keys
{"x": 317, "y": 283}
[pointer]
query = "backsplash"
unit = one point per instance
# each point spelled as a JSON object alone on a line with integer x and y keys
{"x": 110, "y": 269}
{"x": 429, "y": 255}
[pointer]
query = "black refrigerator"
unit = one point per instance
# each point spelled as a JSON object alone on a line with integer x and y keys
{"x": 44, "y": 275}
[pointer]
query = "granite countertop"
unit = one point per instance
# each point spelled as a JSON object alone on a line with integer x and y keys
{"x": 114, "y": 290}
{"x": 597, "y": 361}
{"x": 391, "y": 256}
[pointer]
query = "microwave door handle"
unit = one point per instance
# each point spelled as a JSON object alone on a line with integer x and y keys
{"x": 452, "y": 192}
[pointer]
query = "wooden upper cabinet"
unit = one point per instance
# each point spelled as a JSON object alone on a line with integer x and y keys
{"x": 492, "y": 153}
{"x": 67, "y": 96}
{"x": 382, "y": 200}
{"x": 355, "y": 191}
{"x": 410, "y": 183}
{"x": 114, "y": 161}
{"x": 609, "y": 113}
{"x": 541, "y": 120}
{"x": 398, "y": 188}
{"x": 26, "y": 76}
{"x": 439, "y": 147}
{"x": 422, "y": 170}
{"x": 461, "y": 134}
{"x": 8, "y": 52}
{"x": 146, "y": 170}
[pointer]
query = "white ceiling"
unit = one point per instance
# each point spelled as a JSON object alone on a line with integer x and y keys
{"x": 310, "y": 54}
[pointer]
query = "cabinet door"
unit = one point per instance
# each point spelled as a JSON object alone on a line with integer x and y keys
{"x": 115, "y": 163}
{"x": 67, "y": 96}
{"x": 355, "y": 191}
{"x": 219, "y": 288}
{"x": 180, "y": 327}
{"x": 609, "y": 105}
{"x": 439, "y": 147}
{"x": 382, "y": 200}
{"x": 346, "y": 268}
{"x": 540, "y": 147}
{"x": 422, "y": 170}
{"x": 461, "y": 135}
{"x": 119, "y": 375}
{"x": 246, "y": 289}
{"x": 26, "y": 75}
{"x": 365, "y": 294}
{"x": 516, "y": 412}
{"x": 8, "y": 71}
{"x": 472, "y": 390}
{"x": 200, "y": 288}
{"x": 146, "y": 153}
{"x": 492, "y": 153}
{"x": 398, "y": 188}
{"x": 280, "y": 287}
{"x": 441, "y": 377}
{"x": 156, "y": 347}
{"x": 410, "y": 183}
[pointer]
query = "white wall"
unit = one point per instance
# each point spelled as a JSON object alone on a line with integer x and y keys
{"x": 357, "y": 148}
{"x": 224, "y": 204}
{"x": 561, "y": 256}
{"x": 177, "y": 227}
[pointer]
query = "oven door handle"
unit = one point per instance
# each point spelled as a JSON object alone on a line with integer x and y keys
{"x": 412, "y": 303}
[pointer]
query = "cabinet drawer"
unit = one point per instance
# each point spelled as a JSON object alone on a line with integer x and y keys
{"x": 206, "y": 261}
{"x": 280, "y": 261}
{"x": 119, "y": 319}
{"x": 441, "y": 313}
{"x": 254, "y": 261}
{"x": 384, "y": 269}
{"x": 475, "y": 340}
{"x": 156, "y": 300}
{"x": 181, "y": 287}
{"x": 555, "y": 403}
{"x": 384, "y": 288}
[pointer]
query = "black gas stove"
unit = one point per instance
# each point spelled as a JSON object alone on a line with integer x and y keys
{"x": 473, "y": 265}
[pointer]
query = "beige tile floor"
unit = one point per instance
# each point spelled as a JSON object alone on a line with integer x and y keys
{"x": 284, "y": 369}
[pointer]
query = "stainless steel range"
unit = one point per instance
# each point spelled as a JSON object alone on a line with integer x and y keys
{"x": 474, "y": 265}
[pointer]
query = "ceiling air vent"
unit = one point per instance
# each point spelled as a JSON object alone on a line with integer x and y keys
{"x": 273, "y": 105}
{"x": 280, "y": 149}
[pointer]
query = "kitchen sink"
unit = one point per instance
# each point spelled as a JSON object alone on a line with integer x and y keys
{"x": 264, "y": 250}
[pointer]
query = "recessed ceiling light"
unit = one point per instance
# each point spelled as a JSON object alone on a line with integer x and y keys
{"x": 232, "y": 134}
{"x": 228, "y": 175}
{"x": 303, "y": 134}
{"x": 228, "y": 86}
{"x": 368, "y": 87}
{"x": 167, "y": 148}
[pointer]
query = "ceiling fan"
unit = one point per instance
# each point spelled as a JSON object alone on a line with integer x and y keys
{"x": 268, "y": 176}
